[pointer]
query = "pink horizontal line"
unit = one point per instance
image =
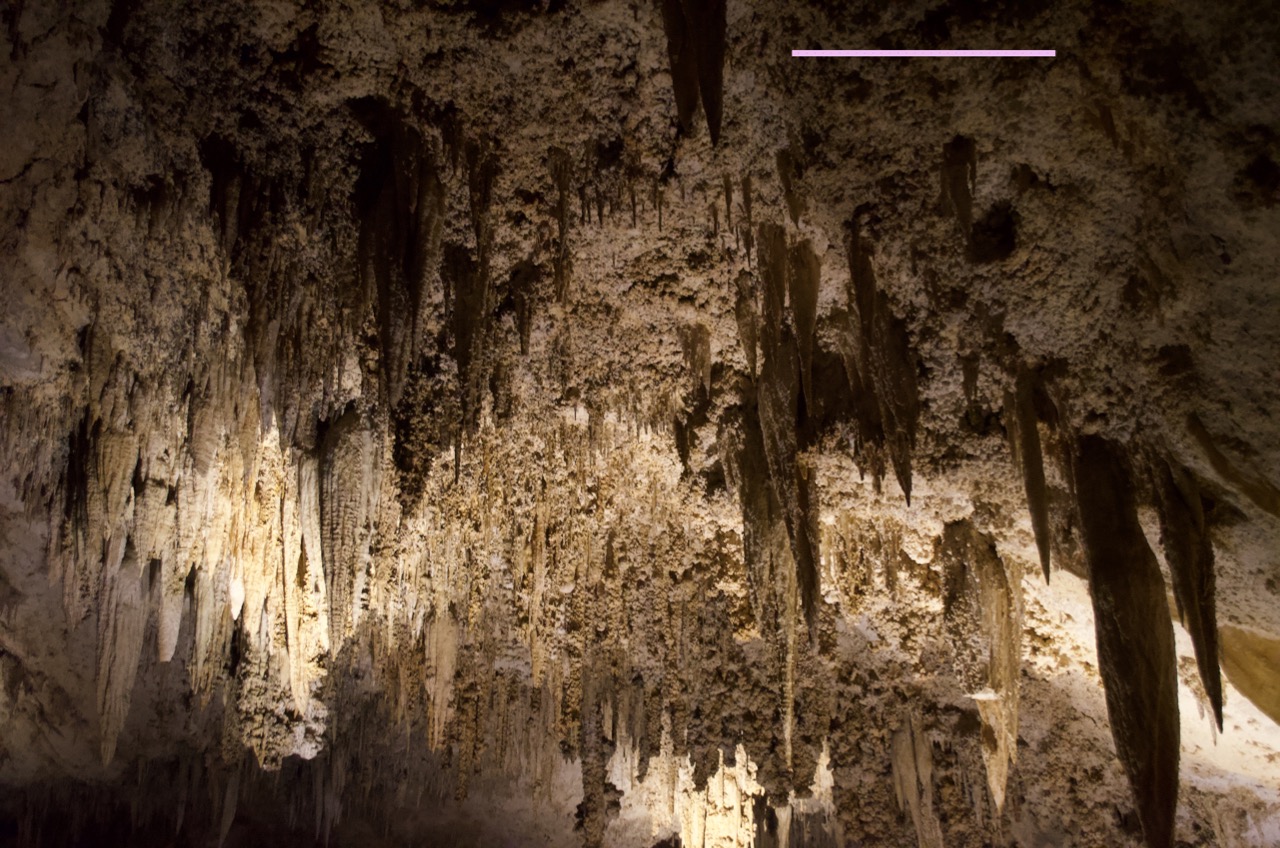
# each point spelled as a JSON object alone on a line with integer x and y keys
{"x": 923, "y": 54}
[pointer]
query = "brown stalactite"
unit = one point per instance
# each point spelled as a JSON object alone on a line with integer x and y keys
{"x": 982, "y": 602}
{"x": 883, "y": 361}
{"x": 1256, "y": 488}
{"x": 1189, "y": 552}
{"x": 728, "y": 201}
{"x": 804, "y": 276}
{"x": 786, "y": 166}
{"x": 562, "y": 177}
{"x": 959, "y": 177}
{"x": 705, "y": 23}
{"x": 747, "y": 316}
{"x": 682, "y": 53}
{"x": 778, "y": 396}
{"x": 695, "y": 31}
{"x": 399, "y": 202}
{"x": 1024, "y": 434}
{"x": 1135, "y": 635}
{"x": 779, "y": 390}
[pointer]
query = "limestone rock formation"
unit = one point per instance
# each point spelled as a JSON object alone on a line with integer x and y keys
{"x": 580, "y": 422}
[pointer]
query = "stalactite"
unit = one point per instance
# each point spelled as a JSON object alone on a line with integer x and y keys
{"x": 706, "y": 20}
{"x": 787, "y": 175}
{"x": 230, "y": 800}
{"x": 695, "y": 344}
{"x": 778, "y": 409}
{"x": 747, "y": 317}
{"x": 350, "y": 485}
{"x": 1136, "y": 654}
{"x": 1248, "y": 658}
{"x": 683, "y": 58}
{"x": 1024, "y": 435}
{"x": 804, "y": 278}
{"x": 778, "y": 397}
{"x": 1189, "y": 552}
{"x": 1256, "y": 488}
{"x": 772, "y": 260}
{"x": 982, "y": 602}
{"x": 959, "y": 176}
{"x": 695, "y": 31}
{"x": 467, "y": 275}
{"x": 522, "y": 288}
{"x": 399, "y": 201}
{"x": 759, "y": 509}
{"x": 561, "y": 177}
{"x": 122, "y": 627}
{"x": 883, "y": 361}
{"x": 728, "y": 201}
{"x": 913, "y": 781}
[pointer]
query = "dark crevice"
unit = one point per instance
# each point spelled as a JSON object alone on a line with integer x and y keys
{"x": 995, "y": 235}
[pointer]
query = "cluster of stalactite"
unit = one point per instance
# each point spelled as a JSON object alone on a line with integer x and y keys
{"x": 1135, "y": 640}
{"x": 287, "y": 510}
{"x": 695, "y": 32}
{"x": 253, "y": 521}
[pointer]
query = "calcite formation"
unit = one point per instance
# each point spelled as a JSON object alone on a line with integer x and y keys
{"x": 475, "y": 422}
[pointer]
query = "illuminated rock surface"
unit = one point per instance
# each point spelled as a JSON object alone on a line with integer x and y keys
{"x": 458, "y": 423}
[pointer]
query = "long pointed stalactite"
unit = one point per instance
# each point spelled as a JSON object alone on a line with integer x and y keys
{"x": 1025, "y": 438}
{"x": 1189, "y": 551}
{"x": 695, "y": 31}
{"x": 1135, "y": 634}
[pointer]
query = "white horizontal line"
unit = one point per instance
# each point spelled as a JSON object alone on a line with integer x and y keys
{"x": 923, "y": 54}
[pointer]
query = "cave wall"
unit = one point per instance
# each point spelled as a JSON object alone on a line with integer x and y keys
{"x": 585, "y": 423}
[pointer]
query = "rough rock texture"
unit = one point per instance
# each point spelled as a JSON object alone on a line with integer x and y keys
{"x": 565, "y": 423}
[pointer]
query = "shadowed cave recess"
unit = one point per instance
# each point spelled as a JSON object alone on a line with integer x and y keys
{"x": 579, "y": 422}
